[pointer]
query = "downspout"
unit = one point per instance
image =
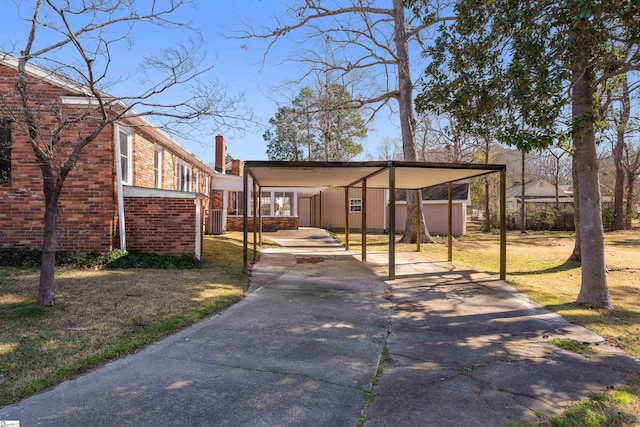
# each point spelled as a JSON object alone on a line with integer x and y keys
{"x": 198, "y": 228}
{"x": 121, "y": 222}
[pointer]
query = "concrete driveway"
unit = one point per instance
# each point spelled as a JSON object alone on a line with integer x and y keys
{"x": 303, "y": 347}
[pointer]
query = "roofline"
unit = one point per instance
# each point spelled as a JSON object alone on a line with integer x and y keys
{"x": 373, "y": 164}
{"x": 86, "y": 97}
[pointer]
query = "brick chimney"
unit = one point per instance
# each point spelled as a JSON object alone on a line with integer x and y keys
{"x": 237, "y": 167}
{"x": 221, "y": 153}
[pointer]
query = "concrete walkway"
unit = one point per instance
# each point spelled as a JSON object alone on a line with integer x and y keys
{"x": 304, "y": 345}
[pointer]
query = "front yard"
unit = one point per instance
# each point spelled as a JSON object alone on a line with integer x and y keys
{"x": 102, "y": 315}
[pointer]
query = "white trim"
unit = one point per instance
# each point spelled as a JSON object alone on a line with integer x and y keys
{"x": 180, "y": 183}
{"x": 130, "y": 191}
{"x": 126, "y": 131}
{"x": 121, "y": 223}
{"x": 158, "y": 176}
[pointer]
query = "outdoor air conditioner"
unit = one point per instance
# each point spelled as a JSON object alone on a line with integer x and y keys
{"x": 216, "y": 221}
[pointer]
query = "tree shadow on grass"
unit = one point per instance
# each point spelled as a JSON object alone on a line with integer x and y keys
{"x": 565, "y": 266}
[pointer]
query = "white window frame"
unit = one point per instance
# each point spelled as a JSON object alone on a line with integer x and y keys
{"x": 182, "y": 185}
{"x": 157, "y": 173}
{"x": 283, "y": 194}
{"x": 197, "y": 181}
{"x": 355, "y": 205}
{"x": 122, "y": 130}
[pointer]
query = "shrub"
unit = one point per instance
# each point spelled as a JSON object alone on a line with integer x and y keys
{"x": 14, "y": 257}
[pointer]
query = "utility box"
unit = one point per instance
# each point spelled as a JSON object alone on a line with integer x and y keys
{"x": 216, "y": 221}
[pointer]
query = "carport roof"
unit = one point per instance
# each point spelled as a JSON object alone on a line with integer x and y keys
{"x": 408, "y": 175}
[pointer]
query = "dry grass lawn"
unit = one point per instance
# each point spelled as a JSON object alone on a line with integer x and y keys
{"x": 102, "y": 315}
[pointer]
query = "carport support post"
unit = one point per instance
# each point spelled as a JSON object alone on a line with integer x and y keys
{"x": 392, "y": 220}
{"x": 364, "y": 220}
{"x": 503, "y": 225}
{"x": 260, "y": 215}
{"x": 255, "y": 222}
{"x": 450, "y": 222}
{"x": 346, "y": 217}
{"x": 418, "y": 225}
{"x": 245, "y": 219}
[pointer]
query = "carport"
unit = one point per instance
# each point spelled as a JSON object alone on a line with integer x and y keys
{"x": 392, "y": 175}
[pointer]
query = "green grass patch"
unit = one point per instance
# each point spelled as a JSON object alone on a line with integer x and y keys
{"x": 104, "y": 314}
{"x": 570, "y": 345}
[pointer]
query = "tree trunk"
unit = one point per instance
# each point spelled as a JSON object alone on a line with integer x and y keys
{"x": 407, "y": 121}
{"x": 487, "y": 219}
{"x": 631, "y": 177}
{"x": 523, "y": 224}
{"x": 594, "y": 291}
{"x": 47, "y": 286}
{"x": 576, "y": 255}
{"x": 618, "y": 151}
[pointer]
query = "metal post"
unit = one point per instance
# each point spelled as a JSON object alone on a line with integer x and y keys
{"x": 503, "y": 225}
{"x": 346, "y": 217}
{"x": 450, "y": 222}
{"x": 364, "y": 220}
{"x": 392, "y": 221}
{"x": 245, "y": 231}
{"x": 418, "y": 222}
{"x": 255, "y": 223}
{"x": 260, "y": 215}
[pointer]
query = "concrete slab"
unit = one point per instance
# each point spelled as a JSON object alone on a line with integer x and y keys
{"x": 467, "y": 349}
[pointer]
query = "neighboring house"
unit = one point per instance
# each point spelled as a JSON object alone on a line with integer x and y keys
{"x": 133, "y": 176}
{"x": 539, "y": 193}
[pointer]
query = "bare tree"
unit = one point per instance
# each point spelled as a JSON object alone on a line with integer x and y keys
{"x": 76, "y": 41}
{"x": 378, "y": 39}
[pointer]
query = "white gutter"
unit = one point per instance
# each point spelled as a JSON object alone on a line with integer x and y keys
{"x": 121, "y": 223}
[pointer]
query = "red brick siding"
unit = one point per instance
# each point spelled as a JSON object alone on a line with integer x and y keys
{"x": 217, "y": 199}
{"x": 161, "y": 225}
{"x": 86, "y": 211}
{"x": 271, "y": 223}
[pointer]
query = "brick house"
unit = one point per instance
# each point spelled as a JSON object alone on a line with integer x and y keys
{"x": 132, "y": 177}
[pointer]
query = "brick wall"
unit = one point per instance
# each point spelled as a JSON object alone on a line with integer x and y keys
{"x": 87, "y": 204}
{"x": 88, "y": 212}
{"x": 270, "y": 223}
{"x": 161, "y": 225}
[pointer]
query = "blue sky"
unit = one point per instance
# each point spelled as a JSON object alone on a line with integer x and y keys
{"x": 238, "y": 64}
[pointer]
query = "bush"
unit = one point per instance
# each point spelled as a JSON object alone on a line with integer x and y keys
{"x": 13, "y": 257}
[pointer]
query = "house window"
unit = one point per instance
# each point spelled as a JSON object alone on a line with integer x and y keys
{"x": 236, "y": 203}
{"x": 184, "y": 177}
{"x": 126, "y": 156}
{"x": 157, "y": 167}
{"x": 283, "y": 203}
{"x": 265, "y": 204}
{"x": 355, "y": 205}
{"x": 5, "y": 151}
